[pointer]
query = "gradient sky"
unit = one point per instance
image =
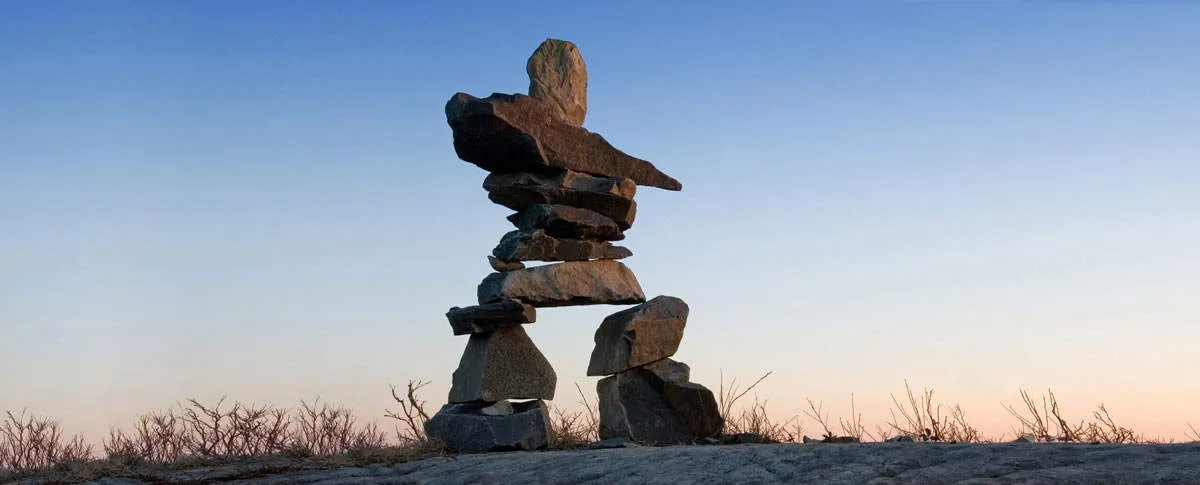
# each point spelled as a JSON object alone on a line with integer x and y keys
{"x": 261, "y": 200}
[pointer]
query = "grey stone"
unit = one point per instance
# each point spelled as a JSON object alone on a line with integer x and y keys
{"x": 464, "y": 429}
{"x": 867, "y": 463}
{"x": 501, "y": 408}
{"x": 503, "y": 266}
{"x": 595, "y": 282}
{"x": 1026, "y": 438}
{"x": 536, "y": 245}
{"x": 558, "y": 78}
{"x": 640, "y": 405}
{"x": 567, "y": 222}
{"x": 903, "y": 438}
{"x": 504, "y": 364}
{"x": 611, "y": 443}
{"x": 670, "y": 370}
{"x": 639, "y": 335}
{"x": 517, "y": 133}
{"x": 609, "y": 197}
{"x": 489, "y": 317}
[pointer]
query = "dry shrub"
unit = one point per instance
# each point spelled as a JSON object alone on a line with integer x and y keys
{"x": 922, "y": 419}
{"x": 29, "y": 442}
{"x": 754, "y": 418}
{"x": 573, "y": 430}
{"x": 325, "y": 430}
{"x": 412, "y": 415}
{"x": 1047, "y": 423}
{"x": 1194, "y": 434}
{"x": 851, "y": 427}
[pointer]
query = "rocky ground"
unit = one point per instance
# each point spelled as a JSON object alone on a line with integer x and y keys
{"x": 878, "y": 463}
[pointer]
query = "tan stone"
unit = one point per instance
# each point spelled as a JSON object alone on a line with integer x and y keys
{"x": 637, "y": 336}
{"x": 558, "y": 78}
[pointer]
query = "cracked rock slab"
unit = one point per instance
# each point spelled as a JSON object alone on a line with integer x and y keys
{"x": 596, "y": 282}
{"x": 610, "y": 197}
{"x": 536, "y": 245}
{"x": 568, "y": 222}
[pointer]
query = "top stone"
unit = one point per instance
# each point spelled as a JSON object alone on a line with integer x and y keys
{"x": 558, "y": 78}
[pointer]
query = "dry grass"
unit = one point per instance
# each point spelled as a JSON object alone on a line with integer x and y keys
{"x": 264, "y": 439}
{"x": 1047, "y": 423}
{"x": 921, "y": 418}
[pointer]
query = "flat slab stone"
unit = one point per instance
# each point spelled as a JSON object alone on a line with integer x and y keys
{"x": 504, "y": 364}
{"x": 640, "y": 335}
{"x": 609, "y": 197}
{"x": 596, "y": 282}
{"x": 489, "y": 317}
{"x": 517, "y": 133}
{"x": 465, "y": 428}
{"x": 567, "y": 222}
{"x": 558, "y": 78}
{"x": 536, "y": 245}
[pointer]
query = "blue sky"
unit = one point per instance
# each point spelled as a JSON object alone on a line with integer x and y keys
{"x": 261, "y": 200}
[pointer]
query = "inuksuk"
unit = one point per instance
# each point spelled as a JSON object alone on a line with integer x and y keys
{"x": 574, "y": 195}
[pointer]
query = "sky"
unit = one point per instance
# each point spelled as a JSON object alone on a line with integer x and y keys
{"x": 261, "y": 200}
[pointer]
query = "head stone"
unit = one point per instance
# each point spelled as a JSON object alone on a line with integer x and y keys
{"x": 558, "y": 78}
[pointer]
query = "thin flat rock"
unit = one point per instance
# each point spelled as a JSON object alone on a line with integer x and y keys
{"x": 609, "y": 197}
{"x": 596, "y": 282}
{"x": 567, "y": 222}
{"x": 536, "y": 245}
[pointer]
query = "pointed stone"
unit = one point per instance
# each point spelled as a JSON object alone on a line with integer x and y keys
{"x": 489, "y": 317}
{"x": 536, "y": 245}
{"x": 558, "y": 78}
{"x": 517, "y": 133}
{"x": 609, "y": 197}
{"x": 640, "y": 335}
{"x": 503, "y": 266}
{"x": 504, "y": 364}
{"x": 670, "y": 370}
{"x": 567, "y": 222}
{"x": 467, "y": 428}
{"x": 596, "y": 282}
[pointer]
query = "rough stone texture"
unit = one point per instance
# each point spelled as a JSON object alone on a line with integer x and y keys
{"x": 558, "y": 78}
{"x": 764, "y": 464}
{"x": 567, "y": 222}
{"x": 609, "y": 197}
{"x": 639, "y": 335}
{"x": 500, "y": 408}
{"x": 489, "y": 317}
{"x": 641, "y": 405}
{"x": 502, "y": 266}
{"x": 536, "y": 245}
{"x": 516, "y": 133}
{"x": 504, "y": 364}
{"x": 464, "y": 429}
{"x": 670, "y": 370}
{"x": 595, "y": 282}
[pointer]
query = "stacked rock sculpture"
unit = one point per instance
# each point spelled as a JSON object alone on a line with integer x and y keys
{"x": 574, "y": 195}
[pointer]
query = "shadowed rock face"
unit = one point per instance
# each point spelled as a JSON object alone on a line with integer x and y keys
{"x": 597, "y": 282}
{"x": 504, "y": 364}
{"x": 469, "y": 428}
{"x": 536, "y": 245}
{"x": 650, "y": 405}
{"x": 609, "y": 197}
{"x": 558, "y": 78}
{"x": 640, "y": 335}
{"x": 516, "y": 133}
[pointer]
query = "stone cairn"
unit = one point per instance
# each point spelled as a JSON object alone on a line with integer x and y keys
{"x": 573, "y": 193}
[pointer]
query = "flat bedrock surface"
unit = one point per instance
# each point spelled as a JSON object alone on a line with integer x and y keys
{"x": 873, "y": 463}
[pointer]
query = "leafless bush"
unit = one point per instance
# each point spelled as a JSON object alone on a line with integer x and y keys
{"x": 412, "y": 415}
{"x": 28, "y": 442}
{"x": 572, "y": 430}
{"x": 322, "y": 429}
{"x": 1047, "y": 423}
{"x": 755, "y": 419}
{"x": 922, "y": 419}
{"x": 1195, "y": 435}
{"x": 817, "y": 413}
{"x": 726, "y": 398}
{"x": 156, "y": 437}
